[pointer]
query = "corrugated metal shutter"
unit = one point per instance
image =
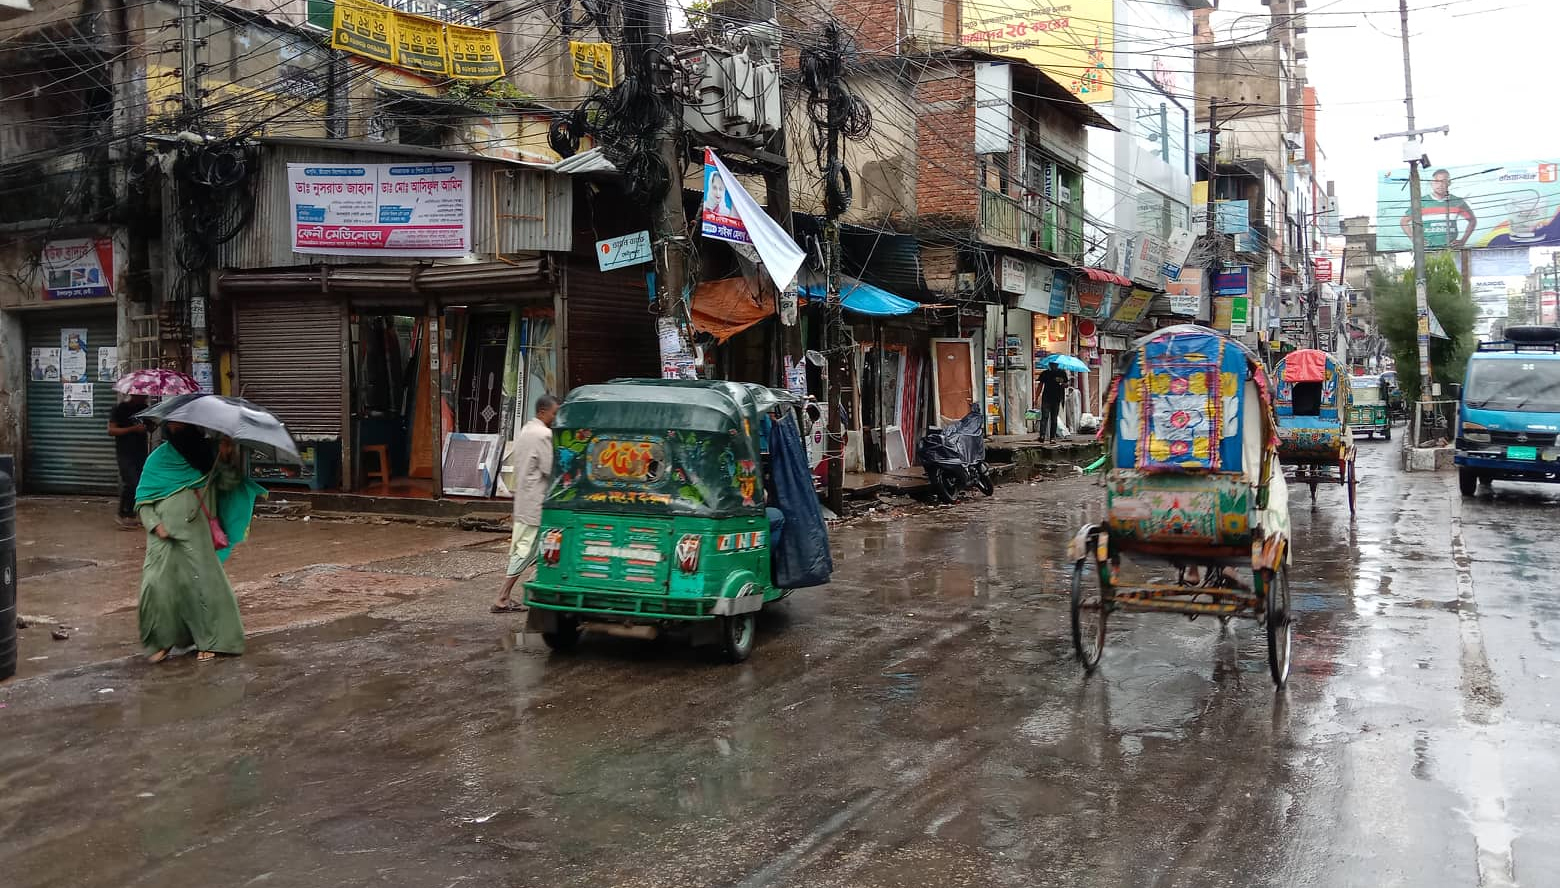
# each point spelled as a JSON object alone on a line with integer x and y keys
{"x": 610, "y": 328}
{"x": 70, "y": 454}
{"x": 291, "y": 360}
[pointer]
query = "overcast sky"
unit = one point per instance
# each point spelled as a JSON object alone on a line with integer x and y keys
{"x": 1483, "y": 67}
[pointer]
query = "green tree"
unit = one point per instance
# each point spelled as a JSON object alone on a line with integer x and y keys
{"x": 1397, "y": 319}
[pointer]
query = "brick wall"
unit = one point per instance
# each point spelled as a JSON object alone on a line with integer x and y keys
{"x": 947, "y": 184}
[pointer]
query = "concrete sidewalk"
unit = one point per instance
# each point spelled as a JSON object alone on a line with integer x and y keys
{"x": 76, "y": 569}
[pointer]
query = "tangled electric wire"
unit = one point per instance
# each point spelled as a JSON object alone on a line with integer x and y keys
{"x": 626, "y": 121}
{"x": 835, "y": 111}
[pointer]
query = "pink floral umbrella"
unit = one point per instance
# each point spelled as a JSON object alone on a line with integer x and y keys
{"x": 156, "y": 382}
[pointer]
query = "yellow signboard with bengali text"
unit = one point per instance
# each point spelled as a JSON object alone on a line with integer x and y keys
{"x": 364, "y": 29}
{"x": 474, "y": 53}
{"x": 593, "y": 62}
{"x": 415, "y": 43}
{"x": 419, "y": 44}
{"x": 1072, "y": 41}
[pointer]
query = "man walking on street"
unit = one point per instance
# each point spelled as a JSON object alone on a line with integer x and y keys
{"x": 533, "y": 474}
{"x": 130, "y": 440}
{"x": 1053, "y": 389}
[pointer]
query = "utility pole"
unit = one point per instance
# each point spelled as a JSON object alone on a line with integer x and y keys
{"x": 1213, "y": 165}
{"x": 189, "y": 65}
{"x": 668, "y": 217}
{"x": 1421, "y": 296}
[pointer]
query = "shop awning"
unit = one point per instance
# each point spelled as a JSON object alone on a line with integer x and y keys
{"x": 1100, "y": 275}
{"x": 727, "y": 307}
{"x": 514, "y": 281}
{"x": 863, "y": 298}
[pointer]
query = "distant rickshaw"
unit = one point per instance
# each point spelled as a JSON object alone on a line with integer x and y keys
{"x": 1312, "y": 403}
{"x": 1192, "y": 481}
{"x": 1368, "y": 407}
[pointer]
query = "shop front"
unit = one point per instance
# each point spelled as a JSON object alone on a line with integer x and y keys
{"x": 397, "y": 381}
{"x": 63, "y": 319}
{"x": 72, "y": 363}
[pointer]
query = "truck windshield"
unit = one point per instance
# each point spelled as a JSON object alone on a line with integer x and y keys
{"x": 1531, "y": 386}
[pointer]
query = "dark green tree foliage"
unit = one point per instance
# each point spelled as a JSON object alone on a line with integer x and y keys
{"x": 1397, "y": 320}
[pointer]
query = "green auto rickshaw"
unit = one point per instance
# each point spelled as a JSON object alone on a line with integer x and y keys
{"x": 1368, "y": 406}
{"x": 668, "y": 501}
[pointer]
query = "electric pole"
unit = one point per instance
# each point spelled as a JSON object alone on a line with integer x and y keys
{"x": 1415, "y": 208}
{"x": 668, "y": 217}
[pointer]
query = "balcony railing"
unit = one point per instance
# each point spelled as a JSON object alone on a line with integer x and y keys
{"x": 1006, "y": 222}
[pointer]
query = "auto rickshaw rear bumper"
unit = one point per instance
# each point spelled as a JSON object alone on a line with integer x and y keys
{"x": 638, "y": 607}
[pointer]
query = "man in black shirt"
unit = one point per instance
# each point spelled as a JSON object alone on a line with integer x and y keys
{"x": 130, "y": 440}
{"x": 1053, "y": 389}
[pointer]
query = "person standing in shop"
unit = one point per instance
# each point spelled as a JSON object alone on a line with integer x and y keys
{"x": 130, "y": 447}
{"x": 533, "y": 475}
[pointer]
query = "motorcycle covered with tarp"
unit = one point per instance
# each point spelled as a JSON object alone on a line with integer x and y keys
{"x": 1196, "y": 511}
{"x": 676, "y": 506}
{"x": 1311, "y": 401}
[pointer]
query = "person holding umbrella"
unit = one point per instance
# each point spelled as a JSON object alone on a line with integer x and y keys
{"x": 130, "y": 434}
{"x": 196, "y": 505}
{"x": 1054, "y": 383}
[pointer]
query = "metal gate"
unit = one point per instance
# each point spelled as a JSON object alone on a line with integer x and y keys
{"x": 291, "y": 360}
{"x": 68, "y": 447}
{"x": 610, "y": 329}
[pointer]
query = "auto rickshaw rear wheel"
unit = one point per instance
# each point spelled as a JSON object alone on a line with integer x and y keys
{"x": 736, "y": 636}
{"x": 566, "y": 635}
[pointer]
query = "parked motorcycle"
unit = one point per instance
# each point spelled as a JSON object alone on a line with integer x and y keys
{"x": 955, "y": 457}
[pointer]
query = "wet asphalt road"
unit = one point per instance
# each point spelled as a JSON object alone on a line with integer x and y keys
{"x": 920, "y": 722}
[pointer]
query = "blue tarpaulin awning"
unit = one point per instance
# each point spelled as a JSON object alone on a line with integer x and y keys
{"x": 863, "y": 298}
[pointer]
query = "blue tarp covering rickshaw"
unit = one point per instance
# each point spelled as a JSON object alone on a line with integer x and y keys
{"x": 1192, "y": 482}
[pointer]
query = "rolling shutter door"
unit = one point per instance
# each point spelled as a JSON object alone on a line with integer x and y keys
{"x": 610, "y": 328}
{"x": 70, "y": 454}
{"x": 291, "y": 360}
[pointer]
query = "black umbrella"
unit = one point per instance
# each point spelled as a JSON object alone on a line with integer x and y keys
{"x": 244, "y": 421}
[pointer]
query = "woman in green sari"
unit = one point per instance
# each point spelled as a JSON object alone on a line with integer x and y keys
{"x": 186, "y": 599}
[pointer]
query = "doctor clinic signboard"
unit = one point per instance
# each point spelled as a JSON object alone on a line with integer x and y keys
{"x": 389, "y": 209}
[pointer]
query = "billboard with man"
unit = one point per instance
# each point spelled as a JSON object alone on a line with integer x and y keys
{"x": 1472, "y": 207}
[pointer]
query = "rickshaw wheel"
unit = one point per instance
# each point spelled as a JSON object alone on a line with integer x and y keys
{"x": 1275, "y": 587}
{"x": 736, "y": 636}
{"x": 1354, "y": 482}
{"x": 1088, "y": 636}
{"x": 567, "y": 635}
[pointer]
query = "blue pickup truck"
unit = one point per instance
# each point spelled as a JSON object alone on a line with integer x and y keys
{"x": 1509, "y": 419}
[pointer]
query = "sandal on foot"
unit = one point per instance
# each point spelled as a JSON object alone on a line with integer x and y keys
{"x": 510, "y": 608}
{"x": 159, "y": 656}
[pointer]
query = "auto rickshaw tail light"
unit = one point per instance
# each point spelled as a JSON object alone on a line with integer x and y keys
{"x": 552, "y": 546}
{"x": 688, "y": 552}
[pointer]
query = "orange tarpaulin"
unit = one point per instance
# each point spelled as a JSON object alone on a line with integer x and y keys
{"x": 725, "y": 308}
{"x": 1305, "y": 365}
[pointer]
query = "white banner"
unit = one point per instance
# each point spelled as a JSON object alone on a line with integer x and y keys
{"x": 381, "y": 209}
{"x": 731, "y": 214}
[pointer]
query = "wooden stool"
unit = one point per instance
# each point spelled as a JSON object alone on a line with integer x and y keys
{"x": 383, "y": 472}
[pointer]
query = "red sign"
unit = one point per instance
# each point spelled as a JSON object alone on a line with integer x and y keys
{"x": 1322, "y": 269}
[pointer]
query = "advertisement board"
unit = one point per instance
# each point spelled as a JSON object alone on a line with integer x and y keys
{"x": 1477, "y": 206}
{"x": 1072, "y": 42}
{"x": 78, "y": 268}
{"x": 385, "y": 209}
{"x": 1234, "y": 280}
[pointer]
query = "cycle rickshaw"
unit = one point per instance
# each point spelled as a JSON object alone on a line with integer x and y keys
{"x": 1311, "y": 400}
{"x": 1193, "y": 482}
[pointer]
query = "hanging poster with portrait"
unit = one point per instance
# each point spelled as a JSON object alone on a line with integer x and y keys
{"x": 73, "y": 355}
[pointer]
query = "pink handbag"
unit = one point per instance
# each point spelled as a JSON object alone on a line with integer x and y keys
{"x": 219, "y": 537}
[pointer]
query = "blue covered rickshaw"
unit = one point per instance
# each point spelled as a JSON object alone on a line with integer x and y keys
{"x": 1192, "y": 482}
{"x": 1311, "y": 400}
